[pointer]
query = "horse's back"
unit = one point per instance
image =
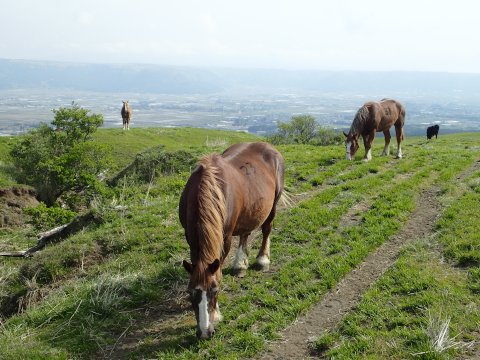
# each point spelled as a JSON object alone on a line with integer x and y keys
{"x": 394, "y": 112}
{"x": 252, "y": 151}
{"x": 256, "y": 158}
{"x": 393, "y": 105}
{"x": 254, "y": 176}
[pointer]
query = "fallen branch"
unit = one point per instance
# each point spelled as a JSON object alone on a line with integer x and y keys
{"x": 56, "y": 234}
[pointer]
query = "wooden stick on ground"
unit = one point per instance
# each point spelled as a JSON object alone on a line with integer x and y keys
{"x": 56, "y": 234}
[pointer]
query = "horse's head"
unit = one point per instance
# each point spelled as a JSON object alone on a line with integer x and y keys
{"x": 351, "y": 145}
{"x": 203, "y": 289}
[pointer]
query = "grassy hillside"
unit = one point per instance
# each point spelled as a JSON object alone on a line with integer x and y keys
{"x": 117, "y": 289}
{"x": 126, "y": 144}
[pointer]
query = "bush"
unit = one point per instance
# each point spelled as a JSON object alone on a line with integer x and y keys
{"x": 156, "y": 162}
{"x": 303, "y": 129}
{"x": 45, "y": 218}
{"x": 60, "y": 158}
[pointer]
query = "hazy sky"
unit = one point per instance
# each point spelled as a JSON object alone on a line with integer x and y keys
{"x": 292, "y": 34}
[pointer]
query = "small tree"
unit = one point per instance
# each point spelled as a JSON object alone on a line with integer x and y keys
{"x": 59, "y": 158}
{"x": 303, "y": 129}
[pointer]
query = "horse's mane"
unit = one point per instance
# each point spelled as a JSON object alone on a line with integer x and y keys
{"x": 212, "y": 209}
{"x": 359, "y": 121}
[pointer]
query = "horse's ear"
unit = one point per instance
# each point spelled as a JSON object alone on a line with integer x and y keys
{"x": 344, "y": 133}
{"x": 213, "y": 267}
{"x": 188, "y": 266}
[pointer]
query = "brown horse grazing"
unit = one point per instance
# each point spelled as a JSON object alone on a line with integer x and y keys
{"x": 374, "y": 117}
{"x": 126, "y": 115}
{"x": 227, "y": 195}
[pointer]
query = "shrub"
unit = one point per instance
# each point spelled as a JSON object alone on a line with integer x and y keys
{"x": 155, "y": 162}
{"x": 61, "y": 157}
{"x": 45, "y": 218}
{"x": 303, "y": 129}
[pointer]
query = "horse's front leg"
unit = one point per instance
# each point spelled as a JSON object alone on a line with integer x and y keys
{"x": 240, "y": 264}
{"x": 386, "y": 148}
{"x": 367, "y": 141}
{"x": 227, "y": 243}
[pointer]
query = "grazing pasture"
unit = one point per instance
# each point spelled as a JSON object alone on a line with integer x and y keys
{"x": 117, "y": 289}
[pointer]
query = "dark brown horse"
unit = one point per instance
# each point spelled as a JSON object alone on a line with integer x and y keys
{"x": 371, "y": 118}
{"x": 227, "y": 195}
{"x": 126, "y": 115}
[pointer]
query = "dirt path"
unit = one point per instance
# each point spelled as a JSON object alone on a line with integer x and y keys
{"x": 347, "y": 294}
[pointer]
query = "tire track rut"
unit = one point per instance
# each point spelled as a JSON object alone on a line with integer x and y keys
{"x": 348, "y": 292}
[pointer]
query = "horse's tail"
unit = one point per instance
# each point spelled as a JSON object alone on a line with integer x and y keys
{"x": 286, "y": 198}
{"x": 279, "y": 176}
{"x": 211, "y": 207}
{"x": 402, "y": 119}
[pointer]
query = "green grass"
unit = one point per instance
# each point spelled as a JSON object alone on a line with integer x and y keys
{"x": 402, "y": 315}
{"x": 126, "y": 144}
{"x": 5, "y": 170}
{"x": 79, "y": 296}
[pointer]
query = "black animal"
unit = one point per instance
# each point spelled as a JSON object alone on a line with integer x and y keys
{"x": 432, "y": 130}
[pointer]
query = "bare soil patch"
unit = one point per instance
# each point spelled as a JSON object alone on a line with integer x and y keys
{"x": 12, "y": 202}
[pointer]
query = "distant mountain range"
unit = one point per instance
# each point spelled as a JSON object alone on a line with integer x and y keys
{"x": 23, "y": 74}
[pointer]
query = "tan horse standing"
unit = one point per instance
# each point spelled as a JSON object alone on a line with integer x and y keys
{"x": 126, "y": 115}
{"x": 227, "y": 195}
{"x": 374, "y": 117}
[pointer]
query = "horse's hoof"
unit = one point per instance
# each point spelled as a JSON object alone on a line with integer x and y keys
{"x": 263, "y": 267}
{"x": 262, "y": 263}
{"x": 240, "y": 272}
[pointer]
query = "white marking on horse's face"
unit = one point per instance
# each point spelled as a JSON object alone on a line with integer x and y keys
{"x": 203, "y": 316}
{"x": 347, "y": 150}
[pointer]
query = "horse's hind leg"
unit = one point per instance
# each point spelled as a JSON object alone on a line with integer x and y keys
{"x": 263, "y": 258}
{"x": 240, "y": 264}
{"x": 399, "y": 134}
{"x": 386, "y": 149}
